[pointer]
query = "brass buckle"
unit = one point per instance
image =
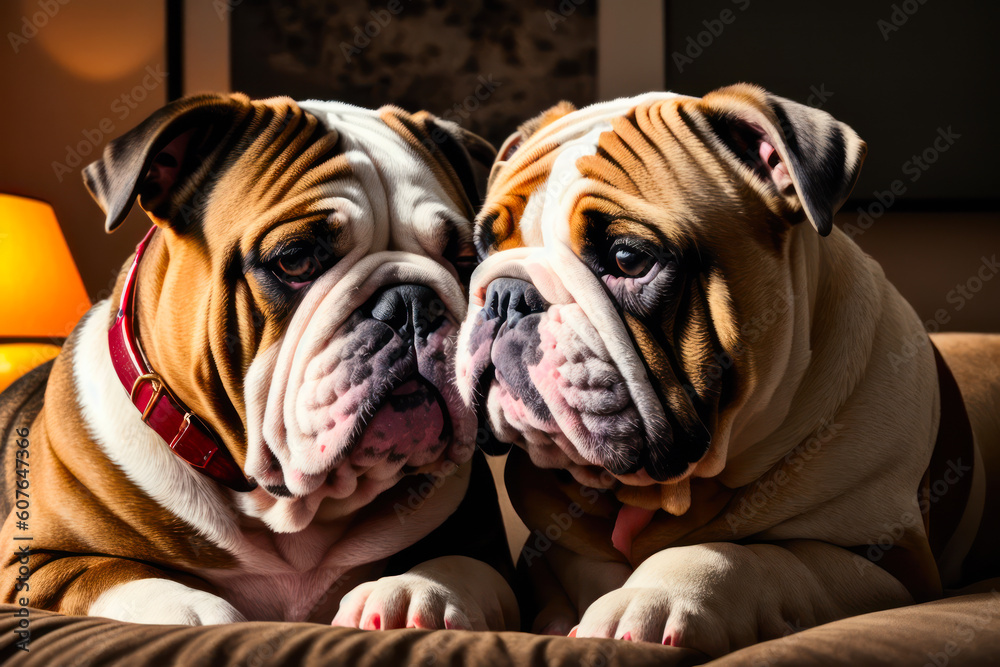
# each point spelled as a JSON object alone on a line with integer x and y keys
{"x": 158, "y": 387}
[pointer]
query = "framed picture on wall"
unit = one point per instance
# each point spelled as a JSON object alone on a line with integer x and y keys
{"x": 487, "y": 66}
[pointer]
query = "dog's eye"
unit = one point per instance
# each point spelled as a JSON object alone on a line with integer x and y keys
{"x": 631, "y": 262}
{"x": 297, "y": 267}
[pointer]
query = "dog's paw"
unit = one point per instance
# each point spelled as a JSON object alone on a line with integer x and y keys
{"x": 712, "y": 598}
{"x": 652, "y": 615}
{"x": 453, "y": 592}
{"x": 164, "y": 602}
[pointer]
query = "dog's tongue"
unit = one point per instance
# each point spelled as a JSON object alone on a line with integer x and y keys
{"x": 630, "y": 522}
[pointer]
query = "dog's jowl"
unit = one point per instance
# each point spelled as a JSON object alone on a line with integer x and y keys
{"x": 262, "y": 421}
{"x": 725, "y": 422}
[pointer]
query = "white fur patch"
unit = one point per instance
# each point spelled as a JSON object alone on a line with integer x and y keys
{"x": 539, "y": 222}
{"x": 162, "y": 601}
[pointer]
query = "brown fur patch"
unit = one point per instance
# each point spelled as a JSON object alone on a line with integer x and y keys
{"x": 497, "y": 225}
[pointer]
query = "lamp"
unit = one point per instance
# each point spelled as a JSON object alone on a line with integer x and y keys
{"x": 41, "y": 294}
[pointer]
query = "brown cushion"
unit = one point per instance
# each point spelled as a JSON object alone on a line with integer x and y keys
{"x": 99, "y": 642}
{"x": 963, "y": 630}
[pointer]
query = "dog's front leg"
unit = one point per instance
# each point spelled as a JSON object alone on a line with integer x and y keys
{"x": 719, "y": 597}
{"x": 118, "y": 588}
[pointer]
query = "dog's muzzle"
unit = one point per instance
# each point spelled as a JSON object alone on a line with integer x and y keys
{"x": 543, "y": 370}
{"x": 361, "y": 389}
{"x": 405, "y": 417}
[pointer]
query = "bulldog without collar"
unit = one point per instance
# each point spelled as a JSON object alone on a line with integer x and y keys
{"x": 286, "y": 329}
{"x": 722, "y": 419}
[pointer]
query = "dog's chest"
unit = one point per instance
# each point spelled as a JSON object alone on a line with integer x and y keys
{"x": 288, "y": 578}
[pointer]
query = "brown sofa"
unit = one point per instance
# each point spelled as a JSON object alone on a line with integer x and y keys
{"x": 960, "y": 630}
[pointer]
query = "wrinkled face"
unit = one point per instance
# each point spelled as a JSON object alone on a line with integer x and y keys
{"x": 628, "y": 306}
{"x": 327, "y": 250}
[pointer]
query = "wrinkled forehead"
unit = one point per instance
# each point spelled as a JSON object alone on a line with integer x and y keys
{"x": 372, "y": 177}
{"x": 529, "y": 200}
{"x": 393, "y": 161}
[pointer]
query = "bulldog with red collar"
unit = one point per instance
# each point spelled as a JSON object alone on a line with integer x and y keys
{"x": 726, "y": 426}
{"x": 261, "y": 422}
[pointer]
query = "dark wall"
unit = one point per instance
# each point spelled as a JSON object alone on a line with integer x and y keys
{"x": 900, "y": 79}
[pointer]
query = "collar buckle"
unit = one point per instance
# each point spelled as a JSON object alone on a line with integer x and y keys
{"x": 158, "y": 387}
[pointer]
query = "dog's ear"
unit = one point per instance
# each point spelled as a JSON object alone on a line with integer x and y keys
{"x": 526, "y": 129}
{"x": 163, "y": 159}
{"x": 803, "y": 155}
{"x": 468, "y": 154}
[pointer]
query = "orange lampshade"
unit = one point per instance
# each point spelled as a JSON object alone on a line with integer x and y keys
{"x": 41, "y": 294}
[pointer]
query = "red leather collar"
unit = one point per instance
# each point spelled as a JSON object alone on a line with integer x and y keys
{"x": 186, "y": 435}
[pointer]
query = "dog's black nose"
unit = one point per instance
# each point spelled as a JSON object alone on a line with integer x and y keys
{"x": 412, "y": 310}
{"x": 511, "y": 299}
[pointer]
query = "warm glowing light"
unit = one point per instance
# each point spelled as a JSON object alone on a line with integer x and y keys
{"x": 101, "y": 40}
{"x": 41, "y": 294}
{"x": 16, "y": 359}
